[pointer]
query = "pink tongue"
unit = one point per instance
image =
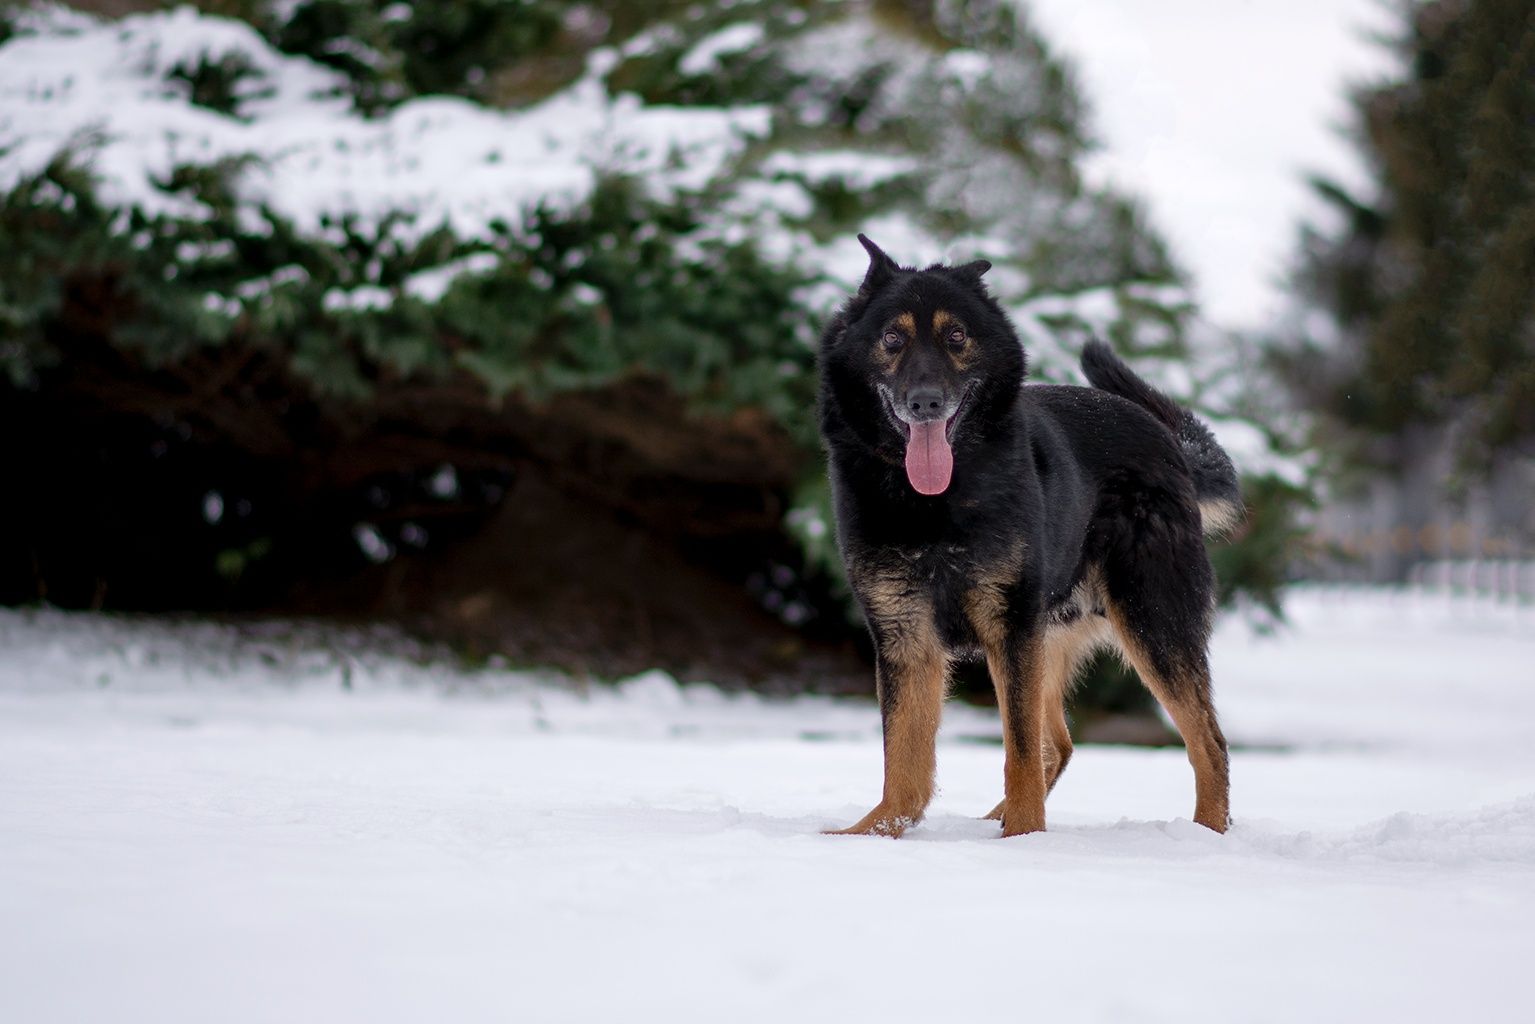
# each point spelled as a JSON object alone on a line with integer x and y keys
{"x": 929, "y": 459}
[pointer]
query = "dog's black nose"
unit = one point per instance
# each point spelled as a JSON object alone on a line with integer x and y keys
{"x": 924, "y": 404}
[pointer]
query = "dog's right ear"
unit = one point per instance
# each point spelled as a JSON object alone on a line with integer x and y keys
{"x": 881, "y": 268}
{"x": 972, "y": 271}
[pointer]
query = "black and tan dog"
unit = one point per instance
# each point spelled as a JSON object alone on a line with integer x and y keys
{"x": 1026, "y": 525}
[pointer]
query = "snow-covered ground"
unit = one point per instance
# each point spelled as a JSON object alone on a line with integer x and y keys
{"x": 197, "y": 825}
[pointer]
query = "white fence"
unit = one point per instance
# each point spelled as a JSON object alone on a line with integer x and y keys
{"x": 1502, "y": 578}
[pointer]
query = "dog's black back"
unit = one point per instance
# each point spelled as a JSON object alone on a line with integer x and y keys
{"x": 1026, "y": 524}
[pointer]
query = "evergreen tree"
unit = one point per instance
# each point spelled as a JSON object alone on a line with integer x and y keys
{"x": 1429, "y": 281}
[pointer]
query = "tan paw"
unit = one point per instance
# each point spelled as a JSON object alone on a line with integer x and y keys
{"x": 878, "y": 822}
{"x": 1020, "y": 821}
{"x": 1214, "y": 823}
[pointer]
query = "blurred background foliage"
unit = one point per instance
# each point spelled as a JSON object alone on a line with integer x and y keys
{"x": 1428, "y": 281}
{"x": 1414, "y": 347}
{"x": 585, "y": 435}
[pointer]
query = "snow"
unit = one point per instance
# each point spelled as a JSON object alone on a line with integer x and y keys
{"x": 362, "y": 298}
{"x": 276, "y": 824}
{"x": 431, "y": 285}
{"x": 1216, "y": 115}
{"x": 856, "y": 169}
{"x": 704, "y": 58}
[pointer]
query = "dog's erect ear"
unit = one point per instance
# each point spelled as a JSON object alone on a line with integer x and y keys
{"x": 881, "y": 267}
{"x": 972, "y": 272}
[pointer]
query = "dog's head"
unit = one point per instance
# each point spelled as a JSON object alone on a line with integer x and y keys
{"x": 916, "y": 363}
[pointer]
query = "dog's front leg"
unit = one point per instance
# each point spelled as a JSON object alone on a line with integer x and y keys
{"x": 911, "y": 672}
{"x": 1015, "y": 663}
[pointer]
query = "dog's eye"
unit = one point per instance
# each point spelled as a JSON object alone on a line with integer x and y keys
{"x": 893, "y": 341}
{"x": 957, "y": 338}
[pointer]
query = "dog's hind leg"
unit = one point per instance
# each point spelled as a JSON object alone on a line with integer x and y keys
{"x": 1066, "y": 649}
{"x": 1159, "y": 598}
{"x": 911, "y": 672}
{"x": 1058, "y": 750}
{"x": 1179, "y": 678}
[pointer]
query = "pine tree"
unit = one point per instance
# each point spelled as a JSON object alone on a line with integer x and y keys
{"x": 1428, "y": 281}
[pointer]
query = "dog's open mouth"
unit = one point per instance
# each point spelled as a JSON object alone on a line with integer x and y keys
{"x": 930, "y": 448}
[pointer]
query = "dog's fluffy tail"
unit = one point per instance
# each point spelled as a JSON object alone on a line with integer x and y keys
{"x": 1215, "y": 478}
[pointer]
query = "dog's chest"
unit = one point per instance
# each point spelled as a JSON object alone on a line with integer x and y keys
{"x": 961, "y": 588}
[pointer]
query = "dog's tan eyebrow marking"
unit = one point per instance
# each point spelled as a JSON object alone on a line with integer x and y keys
{"x": 943, "y": 323}
{"x": 908, "y": 323}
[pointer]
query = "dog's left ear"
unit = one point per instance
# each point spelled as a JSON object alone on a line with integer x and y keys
{"x": 971, "y": 272}
{"x": 881, "y": 267}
